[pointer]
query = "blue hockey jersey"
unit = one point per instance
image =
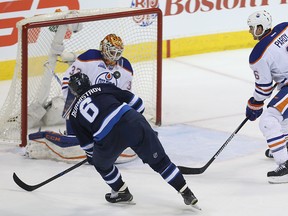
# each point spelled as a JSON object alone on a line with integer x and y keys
{"x": 95, "y": 112}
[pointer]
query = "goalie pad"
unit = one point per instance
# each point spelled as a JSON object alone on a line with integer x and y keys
{"x": 59, "y": 147}
{"x": 53, "y": 114}
{"x": 35, "y": 114}
{"x": 55, "y": 146}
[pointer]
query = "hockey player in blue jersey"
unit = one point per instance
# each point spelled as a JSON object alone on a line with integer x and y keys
{"x": 107, "y": 66}
{"x": 107, "y": 120}
{"x": 269, "y": 62}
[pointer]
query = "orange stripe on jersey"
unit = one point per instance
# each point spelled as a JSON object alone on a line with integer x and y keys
{"x": 59, "y": 153}
{"x": 281, "y": 106}
{"x": 127, "y": 155}
{"x": 277, "y": 144}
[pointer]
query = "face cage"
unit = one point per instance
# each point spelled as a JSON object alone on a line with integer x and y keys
{"x": 112, "y": 53}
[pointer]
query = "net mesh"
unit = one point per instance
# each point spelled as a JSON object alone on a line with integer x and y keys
{"x": 45, "y": 70}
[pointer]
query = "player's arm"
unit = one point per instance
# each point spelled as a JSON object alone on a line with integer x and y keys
{"x": 128, "y": 97}
{"x": 136, "y": 103}
{"x": 263, "y": 77}
{"x": 263, "y": 85}
{"x": 127, "y": 85}
{"x": 128, "y": 76}
{"x": 263, "y": 89}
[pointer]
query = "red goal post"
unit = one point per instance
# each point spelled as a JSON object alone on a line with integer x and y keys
{"x": 38, "y": 70}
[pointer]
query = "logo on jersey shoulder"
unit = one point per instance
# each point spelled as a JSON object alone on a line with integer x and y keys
{"x": 106, "y": 77}
{"x": 102, "y": 65}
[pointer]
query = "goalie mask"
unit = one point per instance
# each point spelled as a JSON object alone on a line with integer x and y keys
{"x": 78, "y": 84}
{"x": 262, "y": 18}
{"x": 111, "y": 48}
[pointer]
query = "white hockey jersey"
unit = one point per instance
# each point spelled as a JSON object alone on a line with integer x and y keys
{"x": 92, "y": 64}
{"x": 269, "y": 61}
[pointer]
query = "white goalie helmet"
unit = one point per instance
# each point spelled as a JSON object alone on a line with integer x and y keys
{"x": 112, "y": 47}
{"x": 262, "y": 18}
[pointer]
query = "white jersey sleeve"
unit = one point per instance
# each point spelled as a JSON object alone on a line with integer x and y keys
{"x": 269, "y": 62}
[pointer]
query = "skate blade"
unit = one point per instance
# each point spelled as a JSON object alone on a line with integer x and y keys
{"x": 278, "y": 180}
{"x": 196, "y": 207}
{"x": 128, "y": 203}
{"x": 124, "y": 203}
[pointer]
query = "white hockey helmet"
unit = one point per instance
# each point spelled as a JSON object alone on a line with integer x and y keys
{"x": 112, "y": 47}
{"x": 262, "y": 18}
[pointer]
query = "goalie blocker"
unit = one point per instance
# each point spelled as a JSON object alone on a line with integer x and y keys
{"x": 60, "y": 147}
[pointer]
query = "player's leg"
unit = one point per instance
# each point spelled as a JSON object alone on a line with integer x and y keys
{"x": 105, "y": 153}
{"x": 284, "y": 126}
{"x": 150, "y": 150}
{"x": 119, "y": 190}
{"x": 270, "y": 125}
{"x": 280, "y": 104}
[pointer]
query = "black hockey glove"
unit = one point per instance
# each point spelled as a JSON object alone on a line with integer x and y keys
{"x": 254, "y": 109}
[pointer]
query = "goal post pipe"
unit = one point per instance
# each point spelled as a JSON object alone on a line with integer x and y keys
{"x": 86, "y": 18}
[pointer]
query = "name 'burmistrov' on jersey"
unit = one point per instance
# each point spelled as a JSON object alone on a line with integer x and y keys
{"x": 107, "y": 120}
{"x": 106, "y": 114}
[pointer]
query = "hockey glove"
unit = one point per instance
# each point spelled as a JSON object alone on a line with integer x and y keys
{"x": 254, "y": 109}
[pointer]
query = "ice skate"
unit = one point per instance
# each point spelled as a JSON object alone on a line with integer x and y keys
{"x": 120, "y": 197}
{"x": 189, "y": 198}
{"x": 279, "y": 175}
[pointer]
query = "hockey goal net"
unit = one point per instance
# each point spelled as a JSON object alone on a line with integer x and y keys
{"x": 38, "y": 71}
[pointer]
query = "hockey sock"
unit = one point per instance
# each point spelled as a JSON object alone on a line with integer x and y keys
{"x": 112, "y": 177}
{"x": 169, "y": 172}
{"x": 278, "y": 149}
{"x": 174, "y": 177}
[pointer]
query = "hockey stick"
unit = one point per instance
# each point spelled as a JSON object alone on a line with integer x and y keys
{"x": 27, "y": 187}
{"x": 191, "y": 171}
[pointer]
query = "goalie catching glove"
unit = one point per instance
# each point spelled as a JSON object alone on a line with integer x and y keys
{"x": 254, "y": 109}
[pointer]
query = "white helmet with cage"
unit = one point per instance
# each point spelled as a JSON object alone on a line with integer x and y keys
{"x": 262, "y": 18}
{"x": 112, "y": 47}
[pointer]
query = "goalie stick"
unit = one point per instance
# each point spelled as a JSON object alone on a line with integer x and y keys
{"x": 27, "y": 187}
{"x": 194, "y": 171}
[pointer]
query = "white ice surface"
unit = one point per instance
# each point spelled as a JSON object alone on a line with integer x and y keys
{"x": 204, "y": 99}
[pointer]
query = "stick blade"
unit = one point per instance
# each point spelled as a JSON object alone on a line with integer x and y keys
{"x": 21, "y": 184}
{"x": 190, "y": 171}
